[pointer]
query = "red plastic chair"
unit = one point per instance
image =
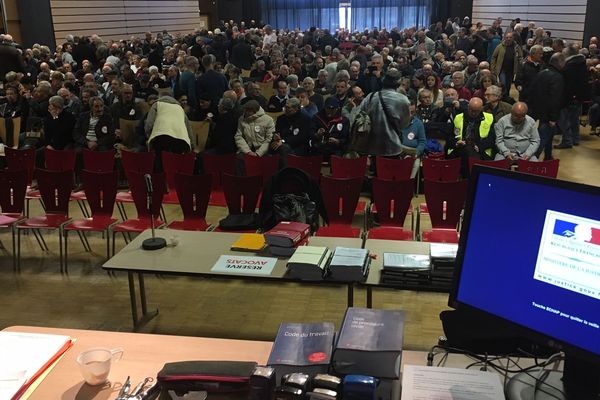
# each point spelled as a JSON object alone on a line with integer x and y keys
{"x": 140, "y": 163}
{"x": 137, "y": 184}
{"x": 340, "y": 196}
{"x": 309, "y": 164}
{"x": 174, "y": 163}
{"x": 60, "y": 160}
{"x": 241, "y": 194}
{"x": 55, "y": 189}
{"x": 17, "y": 160}
{"x": 13, "y": 186}
{"x": 394, "y": 168}
{"x": 100, "y": 190}
{"x": 193, "y": 192}
{"x": 441, "y": 170}
{"x": 392, "y": 199}
{"x": 348, "y": 167}
{"x": 500, "y": 164}
{"x": 265, "y": 166}
{"x": 98, "y": 161}
{"x": 217, "y": 165}
{"x": 543, "y": 168}
{"x": 445, "y": 202}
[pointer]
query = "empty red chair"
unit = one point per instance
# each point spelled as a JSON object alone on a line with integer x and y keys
{"x": 59, "y": 160}
{"x": 139, "y": 193}
{"x": 13, "y": 186}
{"x": 241, "y": 194}
{"x": 394, "y": 168}
{"x": 348, "y": 167}
{"x": 309, "y": 164}
{"x": 55, "y": 190}
{"x": 445, "y": 202}
{"x": 392, "y": 199}
{"x": 441, "y": 170}
{"x": 500, "y": 164}
{"x": 340, "y": 196}
{"x": 193, "y": 192}
{"x": 265, "y": 166}
{"x": 217, "y": 165}
{"x": 174, "y": 163}
{"x": 543, "y": 168}
{"x": 140, "y": 163}
{"x": 100, "y": 190}
{"x": 20, "y": 160}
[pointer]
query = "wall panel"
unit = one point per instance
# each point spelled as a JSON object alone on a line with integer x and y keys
{"x": 119, "y": 19}
{"x": 564, "y": 18}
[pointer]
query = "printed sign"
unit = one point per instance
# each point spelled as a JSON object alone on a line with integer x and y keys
{"x": 244, "y": 265}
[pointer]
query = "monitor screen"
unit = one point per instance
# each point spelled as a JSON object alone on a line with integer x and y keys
{"x": 530, "y": 254}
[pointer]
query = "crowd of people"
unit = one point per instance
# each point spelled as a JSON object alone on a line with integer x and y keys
{"x": 501, "y": 91}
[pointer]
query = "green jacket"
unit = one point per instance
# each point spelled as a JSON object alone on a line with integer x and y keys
{"x": 498, "y": 59}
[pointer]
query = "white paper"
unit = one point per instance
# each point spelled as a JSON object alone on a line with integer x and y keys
{"x": 443, "y": 250}
{"x": 406, "y": 261}
{"x": 245, "y": 265}
{"x": 350, "y": 257}
{"x": 440, "y": 383}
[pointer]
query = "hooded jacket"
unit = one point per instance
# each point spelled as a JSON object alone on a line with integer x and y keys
{"x": 255, "y": 133}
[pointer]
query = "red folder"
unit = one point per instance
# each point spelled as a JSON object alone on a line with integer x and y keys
{"x": 287, "y": 234}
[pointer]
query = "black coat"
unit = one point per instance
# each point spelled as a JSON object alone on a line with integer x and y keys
{"x": 58, "y": 132}
{"x": 242, "y": 56}
{"x": 10, "y": 60}
{"x": 295, "y": 131}
{"x": 213, "y": 83}
{"x": 525, "y": 79}
{"x": 105, "y": 131}
{"x": 577, "y": 87}
{"x": 546, "y": 94}
{"x": 221, "y": 136}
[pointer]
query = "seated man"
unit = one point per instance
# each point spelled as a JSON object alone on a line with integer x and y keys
{"x": 426, "y": 111}
{"x": 255, "y": 131}
{"x": 95, "y": 129}
{"x": 277, "y": 101}
{"x": 292, "y": 132}
{"x": 222, "y": 131}
{"x": 126, "y": 108}
{"x": 473, "y": 135}
{"x": 413, "y": 136}
{"x": 330, "y": 130}
{"x": 516, "y": 135}
{"x": 309, "y": 108}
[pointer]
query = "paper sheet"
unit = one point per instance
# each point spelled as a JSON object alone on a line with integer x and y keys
{"x": 440, "y": 383}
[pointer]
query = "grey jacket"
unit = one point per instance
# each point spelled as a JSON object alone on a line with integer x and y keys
{"x": 522, "y": 139}
{"x": 386, "y": 133}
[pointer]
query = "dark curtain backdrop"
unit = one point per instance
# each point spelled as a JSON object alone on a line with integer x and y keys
{"x": 365, "y": 13}
{"x": 301, "y": 14}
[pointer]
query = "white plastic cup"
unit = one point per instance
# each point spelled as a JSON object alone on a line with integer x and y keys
{"x": 95, "y": 364}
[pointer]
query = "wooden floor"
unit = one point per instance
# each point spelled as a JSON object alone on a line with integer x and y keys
{"x": 89, "y": 299}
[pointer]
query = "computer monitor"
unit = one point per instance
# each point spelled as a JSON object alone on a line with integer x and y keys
{"x": 529, "y": 255}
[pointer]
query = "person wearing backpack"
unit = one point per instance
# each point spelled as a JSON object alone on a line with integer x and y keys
{"x": 387, "y": 112}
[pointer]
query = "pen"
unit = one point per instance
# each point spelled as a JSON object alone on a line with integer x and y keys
{"x": 125, "y": 388}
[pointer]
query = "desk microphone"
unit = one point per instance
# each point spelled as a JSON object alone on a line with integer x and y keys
{"x": 152, "y": 243}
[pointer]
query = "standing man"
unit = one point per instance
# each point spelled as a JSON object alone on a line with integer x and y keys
{"x": 528, "y": 72}
{"x": 506, "y": 61}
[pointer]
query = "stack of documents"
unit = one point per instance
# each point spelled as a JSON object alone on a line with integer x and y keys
{"x": 443, "y": 256}
{"x": 309, "y": 263}
{"x": 349, "y": 264}
{"x": 406, "y": 268}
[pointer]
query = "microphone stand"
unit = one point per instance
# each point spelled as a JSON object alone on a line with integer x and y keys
{"x": 153, "y": 243}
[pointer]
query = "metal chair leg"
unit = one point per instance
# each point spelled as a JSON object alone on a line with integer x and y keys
{"x": 42, "y": 239}
{"x": 18, "y": 250}
{"x": 66, "y": 250}
{"x": 14, "y": 249}
{"x": 60, "y": 243}
{"x": 38, "y": 239}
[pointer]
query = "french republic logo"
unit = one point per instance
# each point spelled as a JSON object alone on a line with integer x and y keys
{"x": 579, "y": 232}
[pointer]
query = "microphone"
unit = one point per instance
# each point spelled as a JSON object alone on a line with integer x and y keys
{"x": 152, "y": 243}
{"x": 148, "y": 180}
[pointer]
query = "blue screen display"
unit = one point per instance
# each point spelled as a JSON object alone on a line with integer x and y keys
{"x": 532, "y": 257}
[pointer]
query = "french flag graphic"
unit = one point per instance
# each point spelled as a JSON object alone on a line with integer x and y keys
{"x": 585, "y": 233}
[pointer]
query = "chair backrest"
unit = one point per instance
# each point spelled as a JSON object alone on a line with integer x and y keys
{"x": 266, "y": 89}
{"x": 100, "y": 191}
{"x": 127, "y": 128}
{"x": 265, "y": 166}
{"x": 392, "y": 199}
{"x": 500, "y": 164}
{"x": 348, "y": 167}
{"x": 217, "y": 165}
{"x": 13, "y": 186}
{"x": 241, "y": 193}
{"x": 193, "y": 192}
{"x": 55, "y": 189}
{"x": 59, "y": 160}
{"x": 10, "y": 136}
{"x": 21, "y": 160}
{"x": 137, "y": 185}
{"x": 141, "y": 163}
{"x": 144, "y": 107}
{"x": 441, "y": 170}
{"x": 174, "y": 163}
{"x": 98, "y": 161}
{"x": 445, "y": 201}
{"x": 275, "y": 115}
{"x": 340, "y": 196}
{"x": 544, "y": 168}
{"x": 394, "y": 168}
{"x": 309, "y": 164}
{"x": 200, "y": 129}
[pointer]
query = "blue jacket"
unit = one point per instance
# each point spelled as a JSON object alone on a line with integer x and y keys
{"x": 414, "y": 135}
